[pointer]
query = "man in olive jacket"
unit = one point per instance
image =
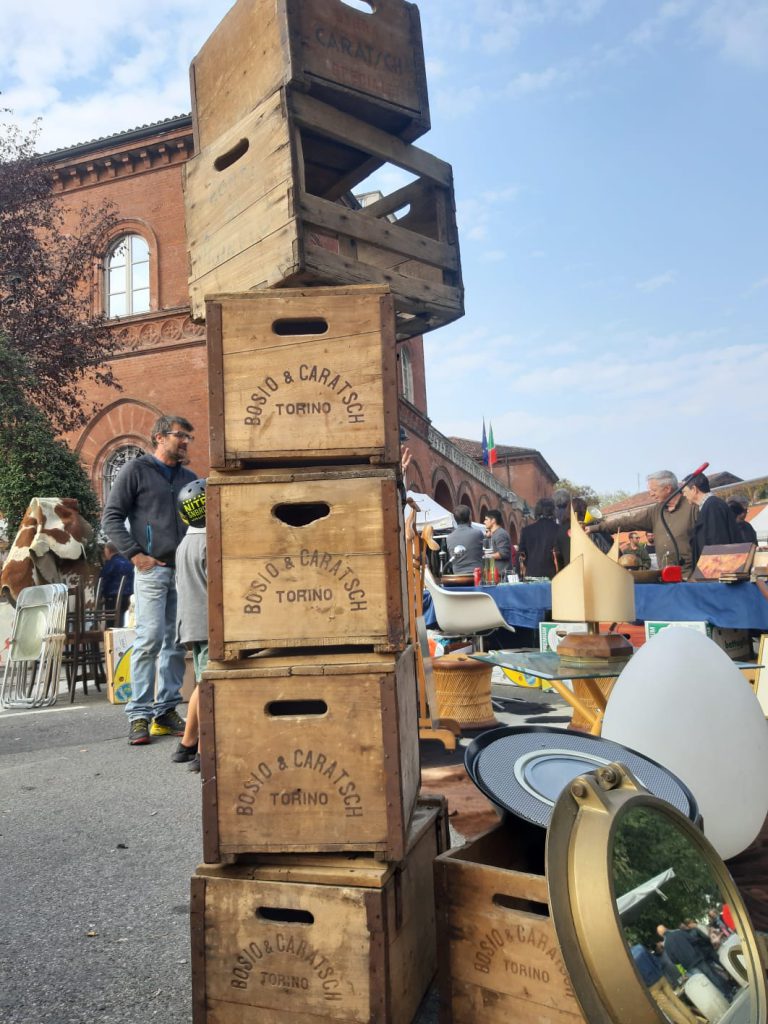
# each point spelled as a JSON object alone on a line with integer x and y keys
{"x": 679, "y": 515}
{"x": 145, "y": 495}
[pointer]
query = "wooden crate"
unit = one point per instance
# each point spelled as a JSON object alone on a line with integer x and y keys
{"x": 293, "y": 939}
{"x": 370, "y": 64}
{"x": 309, "y": 753}
{"x": 303, "y": 559}
{"x": 499, "y": 958}
{"x": 303, "y": 376}
{"x": 267, "y": 206}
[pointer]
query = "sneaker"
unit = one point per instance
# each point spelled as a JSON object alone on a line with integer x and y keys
{"x": 182, "y": 753}
{"x": 169, "y": 724}
{"x": 194, "y": 764}
{"x": 139, "y": 732}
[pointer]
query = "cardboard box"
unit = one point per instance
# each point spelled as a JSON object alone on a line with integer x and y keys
{"x": 118, "y": 645}
{"x": 317, "y": 937}
{"x": 737, "y": 643}
{"x": 309, "y": 753}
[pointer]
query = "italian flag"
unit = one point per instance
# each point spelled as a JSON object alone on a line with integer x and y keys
{"x": 493, "y": 458}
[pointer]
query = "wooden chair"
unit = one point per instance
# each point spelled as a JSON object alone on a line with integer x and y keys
{"x": 83, "y": 658}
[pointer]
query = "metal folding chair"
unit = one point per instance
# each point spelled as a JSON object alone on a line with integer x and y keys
{"x": 31, "y": 677}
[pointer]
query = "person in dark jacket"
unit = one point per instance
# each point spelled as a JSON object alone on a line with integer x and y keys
{"x": 541, "y": 542}
{"x": 716, "y": 524}
{"x": 115, "y": 570}
{"x": 651, "y": 972}
{"x": 747, "y": 534}
{"x": 681, "y": 950}
{"x": 145, "y": 494}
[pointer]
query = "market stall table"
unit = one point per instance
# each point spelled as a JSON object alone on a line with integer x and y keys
{"x": 727, "y": 605}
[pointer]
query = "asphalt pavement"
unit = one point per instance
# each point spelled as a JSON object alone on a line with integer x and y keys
{"x": 98, "y": 841}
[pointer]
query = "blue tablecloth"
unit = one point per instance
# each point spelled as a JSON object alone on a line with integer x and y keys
{"x": 728, "y": 605}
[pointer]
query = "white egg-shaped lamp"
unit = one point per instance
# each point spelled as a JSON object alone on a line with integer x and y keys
{"x": 682, "y": 702}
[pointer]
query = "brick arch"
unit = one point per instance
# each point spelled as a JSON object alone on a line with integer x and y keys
{"x": 442, "y": 489}
{"x": 124, "y": 422}
{"x": 415, "y": 478}
{"x": 484, "y": 502}
{"x": 465, "y": 498}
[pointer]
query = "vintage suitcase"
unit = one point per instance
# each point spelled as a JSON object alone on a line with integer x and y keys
{"x": 305, "y": 558}
{"x": 369, "y": 63}
{"x": 268, "y": 204}
{"x": 301, "y": 376}
{"x": 499, "y": 958}
{"x": 292, "y": 939}
{"x": 309, "y": 753}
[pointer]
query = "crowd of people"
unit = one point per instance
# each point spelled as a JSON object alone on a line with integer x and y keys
{"x": 679, "y": 953}
{"x": 678, "y": 524}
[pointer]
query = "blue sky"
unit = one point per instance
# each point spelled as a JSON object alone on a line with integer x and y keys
{"x": 610, "y": 169}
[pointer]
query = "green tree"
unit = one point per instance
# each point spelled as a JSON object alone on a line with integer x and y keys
{"x": 578, "y": 490}
{"x": 34, "y": 462}
{"x": 46, "y": 274}
{"x": 51, "y": 341}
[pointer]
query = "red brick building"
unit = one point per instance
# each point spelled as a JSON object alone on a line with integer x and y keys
{"x": 140, "y": 280}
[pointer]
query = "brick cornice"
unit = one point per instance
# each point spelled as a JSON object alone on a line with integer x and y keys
{"x": 120, "y": 161}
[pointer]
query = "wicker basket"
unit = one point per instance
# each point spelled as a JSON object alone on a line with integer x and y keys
{"x": 463, "y": 689}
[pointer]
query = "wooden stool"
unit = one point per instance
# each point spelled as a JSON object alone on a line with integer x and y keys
{"x": 463, "y": 690}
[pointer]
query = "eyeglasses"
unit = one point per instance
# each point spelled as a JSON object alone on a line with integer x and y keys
{"x": 181, "y": 434}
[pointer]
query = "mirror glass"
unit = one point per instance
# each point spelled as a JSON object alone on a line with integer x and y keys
{"x": 677, "y": 923}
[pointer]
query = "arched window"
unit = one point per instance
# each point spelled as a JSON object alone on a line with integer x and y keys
{"x": 114, "y": 463}
{"x": 406, "y": 374}
{"x": 126, "y": 272}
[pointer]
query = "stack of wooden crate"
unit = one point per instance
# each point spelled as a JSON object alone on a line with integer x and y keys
{"x": 316, "y": 894}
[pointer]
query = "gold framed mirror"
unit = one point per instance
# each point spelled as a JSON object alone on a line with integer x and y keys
{"x": 627, "y": 871}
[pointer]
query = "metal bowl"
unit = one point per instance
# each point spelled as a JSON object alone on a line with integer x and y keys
{"x": 460, "y": 579}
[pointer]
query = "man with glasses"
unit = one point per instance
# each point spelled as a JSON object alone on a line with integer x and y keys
{"x": 679, "y": 517}
{"x": 141, "y": 519}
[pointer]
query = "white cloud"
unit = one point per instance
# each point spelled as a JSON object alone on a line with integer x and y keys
{"x": 738, "y": 29}
{"x": 493, "y": 256}
{"x": 481, "y": 216}
{"x": 757, "y": 286}
{"x": 607, "y": 414}
{"x": 652, "y": 284}
{"x": 654, "y": 27}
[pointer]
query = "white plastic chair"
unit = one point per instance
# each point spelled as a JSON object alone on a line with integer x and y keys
{"x": 464, "y": 613}
{"x": 31, "y": 677}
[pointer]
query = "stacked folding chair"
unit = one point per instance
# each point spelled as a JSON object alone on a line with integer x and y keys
{"x": 315, "y": 898}
{"x": 33, "y": 666}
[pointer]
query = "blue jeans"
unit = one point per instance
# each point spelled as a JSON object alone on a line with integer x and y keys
{"x": 155, "y": 646}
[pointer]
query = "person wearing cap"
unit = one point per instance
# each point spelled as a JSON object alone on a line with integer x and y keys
{"x": 716, "y": 524}
{"x": 192, "y": 609}
{"x": 144, "y": 497}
